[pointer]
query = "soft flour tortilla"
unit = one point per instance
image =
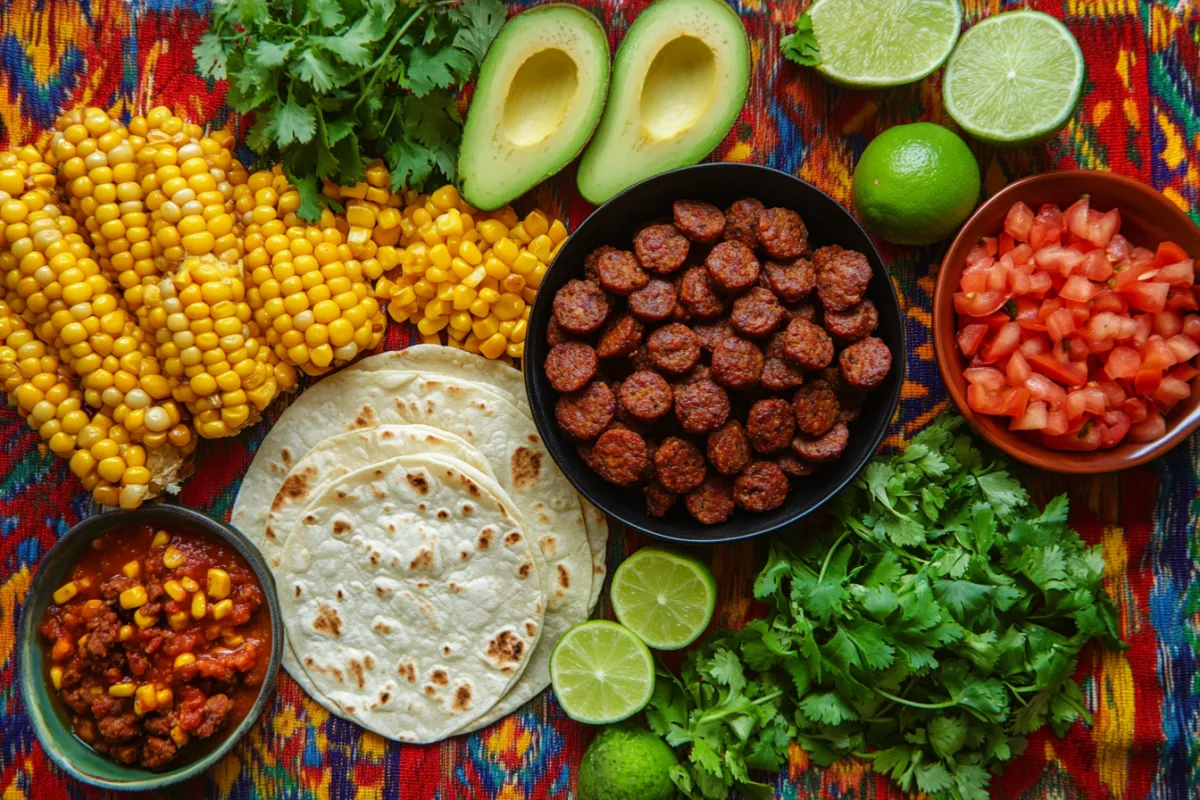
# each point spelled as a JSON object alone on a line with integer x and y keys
{"x": 432, "y": 359}
{"x": 410, "y": 596}
{"x": 338, "y": 456}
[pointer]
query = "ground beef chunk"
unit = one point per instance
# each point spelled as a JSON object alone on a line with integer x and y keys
{"x": 697, "y": 296}
{"x": 824, "y": 448}
{"x": 866, "y": 363}
{"x": 732, "y": 267}
{"x": 620, "y": 273}
{"x": 700, "y": 222}
{"x": 770, "y": 424}
{"x": 570, "y": 366}
{"x": 646, "y": 395}
{"x": 712, "y": 501}
{"x": 157, "y": 752}
{"x": 792, "y": 466}
{"x": 756, "y": 313}
{"x": 701, "y": 407}
{"x": 729, "y": 448}
{"x": 661, "y": 248}
{"x": 159, "y": 724}
{"x": 791, "y": 281}
{"x": 680, "y": 465}
{"x": 762, "y": 486}
{"x": 713, "y": 333}
{"x": 654, "y": 302}
{"x": 620, "y": 337}
{"x": 580, "y": 307}
{"x": 673, "y": 348}
{"x": 854, "y": 323}
{"x": 216, "y": 709}
{"x": 737, "y": 363}
{"x": 816, "y": 407}
{"x": 111, "y": 589}
{"x": 741, "y": 220}
{"x": 119, "y": 727}
{"x": 658, "y": 500}
{"x": 843, "y": 281}
{"x": 808, "y": 345}
{"x": 621, "y": 457}
{"x": 782, "y": 234}
{"x": 586, "y": 413}
{"x": 126, "y": 754}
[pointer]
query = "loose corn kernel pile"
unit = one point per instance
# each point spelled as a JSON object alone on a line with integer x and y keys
{"x": 452, "y": 269}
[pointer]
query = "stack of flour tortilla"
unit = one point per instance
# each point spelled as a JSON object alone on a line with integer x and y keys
{"x": 428, "y": 554}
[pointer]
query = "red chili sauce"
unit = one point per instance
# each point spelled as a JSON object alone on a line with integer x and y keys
{"x": 159, "y": 644}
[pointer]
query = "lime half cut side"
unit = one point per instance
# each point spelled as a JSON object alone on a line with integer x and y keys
{"x": 1014, "y": 79}
{"x": 876, "y": 43}
{"x": 601, "y": 672}
{"x": 665, "y": 598}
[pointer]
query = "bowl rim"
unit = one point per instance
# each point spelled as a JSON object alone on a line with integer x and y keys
{"x": 946, "y": 355}
{"x": 31, "y": 671}
{"x": 542, "y": 418}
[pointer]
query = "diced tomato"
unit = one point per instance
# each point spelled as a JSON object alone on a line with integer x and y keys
{"x": 1143, "y": 325}
{"x": 1181, "y": 299}
{"x": 991, "y": 379}
{"x": 1148, "y": 295}
{"x": 974, "y": 279}
{"x": 1020, "y": 283}
{"x": 1108, "y": 325}
{"x": 1183, "y": 372}
{"x": 1031, "y": 347}
{"x": 1018, "y": 370}
{"x": 1157, "y": 355}
{"x": 979, "y": 304}
{"x": 1167, "y": 323}
{"x": 1049, "y": 307}
{"x": 1005, "y": 342}
{"x": 970, "y": 337}
{"x": 1048, "y": 227}
{"x": 1006, "y": 243}
{"x": 1096, "y": 265}
{"x": 1171, "y": 390}
{"x": 1141, "y": 258}
{"x": 1115, "y": 427}
{"x": 1191, "y": 327}
{"x": 1042, "y": 388}
{"x": 1034, "y": 418}
{"x": 1060, "y": 324}
{"x": 1118, "y": 249}
{"x": 1056, "y": 422}
{"x": 1039, "y": 283}
{"x": 1102, "y": 227}
{"x": 1146, "y": 381}
{"x": 1022, "y": 255}
{"x": 1114, "y": 395}
{"x": 981, "y": 251}
{"x": 1169, "y": 253}
{"x": 1076, "y": 404}
{"x": 1095, "y": 348}
{"x": 1061, "y": 260}
{"x": 1108, "y": 300}
{"x": 1015, "y": 401}
{"x": 1087, "y": 438}
{"x": 1076, "y": 218}
{"x": 984, "y": 401}
{"x": 1079, "y": 289}
{"x": 1019, "y": 221}
{"x": 1181, "y": 273}
{"x": 1088, "y": 400}
{"x": 1076, "y": 349}
{"x": 1072, "y": 374}
{"x": 1184, "y": 348}
{"x": 1150, "y": 429}
{"x": 1135, "y": 408}
{"x": 1123, "y": 363}
{"x": 1128, "y": 273}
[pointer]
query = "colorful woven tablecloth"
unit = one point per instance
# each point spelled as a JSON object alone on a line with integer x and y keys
{"x": 1138, "y": 117}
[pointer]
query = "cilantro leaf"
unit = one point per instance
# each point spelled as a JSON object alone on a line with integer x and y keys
{"x": 210, "y": 56}
{"x": 801, "y": 45}
{"x": 292, "y": 122}
{"x": 480, "y": 21}
{"x": 436, "y": 68}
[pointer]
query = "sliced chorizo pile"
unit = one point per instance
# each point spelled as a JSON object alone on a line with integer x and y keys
{"x": 715, "y": 358}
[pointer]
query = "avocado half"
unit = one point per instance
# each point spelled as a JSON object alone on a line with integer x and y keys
{"x": 540, "y": 93}
{"x": 679, "y": 82}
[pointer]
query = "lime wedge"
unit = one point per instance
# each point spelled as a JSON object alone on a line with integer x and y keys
{"x": 601, "y": 672}
{"x": 665, "y": 598}
{"x": 873, "y": 43}
{"x": 1014, "y": 78}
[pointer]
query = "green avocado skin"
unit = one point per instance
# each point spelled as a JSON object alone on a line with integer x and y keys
{"x": 607, "y": 167}
{"x": 627, "y": 763}
{"x": 491, "y": 183}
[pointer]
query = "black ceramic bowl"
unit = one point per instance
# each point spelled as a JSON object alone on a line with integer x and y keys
{"x": 614, "y": 224}
{"x": 47, "y": 714}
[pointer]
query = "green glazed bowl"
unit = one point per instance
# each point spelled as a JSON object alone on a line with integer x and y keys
{"x": 46, "y": 712}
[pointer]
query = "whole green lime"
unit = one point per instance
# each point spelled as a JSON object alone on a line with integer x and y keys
{"x": 915, "y": 184}
{"x": 626, "y": 762}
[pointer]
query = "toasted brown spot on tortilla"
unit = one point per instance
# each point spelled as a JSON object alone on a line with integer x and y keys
{"x": 543, "y": 519}
{"x": 484, "y": 541}
{"x": 440, "y": 677}
{"x": 378, "y": 473}
{"x": 368, "y": 662}
{"x": 374, "y": 559}
{"x": 384, "y": 697}
{"x": 446, "y": 650}
{"x": 310, "y": 519}
{"x": 297, "y": 590}
{"x": 422, "y": 585}
{"x": 327, "y": 621}
{"x": 421, "y": 507}
{"x": 525, "y": 569}
{"x": 430, "y": 691}
{"x": 506, "y": 648}
{"x": 379, "y": 591}
{"x": 391, "y": 528}
{"x": 295, "y": 487}
{"x": 340, "y": 527}
{"x": 443, "y": 514}
{"x": 365, "y": 418}
{"x": 383, "y": 627}
{"x": 419, "y": 483}
{"x": 285, "y": 456}
{"x": 467, "y": 508}
{"x": 407, "y": 672}
{"x": 533, "y": 438}
{"x": 339, "y": 593}
{"x": 462, "y": 698}
{"x": 456, "y": 588}
{"x": 512, "y": 538}
{"x": 341, "y": 494}
{"x": 424, "y": 558}
{"x": 472, "y": 489}
{"x": 387, "y": 435}
{"x": 526, "y": 466}
{"x": 357, "y": 669}
{"x": 270, "y": 532}
{"x": 429, "y": 407}
{"x": 349, "y": 709}
{"x": 378, "y": 492}
{"x": 564, "y": 577}
{"x": 530, "y": 629}
{"x": 549, "y": 546}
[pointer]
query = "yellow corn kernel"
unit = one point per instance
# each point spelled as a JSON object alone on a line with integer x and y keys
{"x": 132, "y": 569}
{"x": 515, "y": 350}
{"x": 179, "y": 736}
{"x": 199, "y": 605}
{"x": 231, "y": 638}
{"x": 430, "y": 327}
{"x": 536, "y": 223}
{"x": 121, "y": 690}
{"x": 62, "y": 648}
{"x": 164, "y": 697}
{"x": 125, "y": 633}
{"x": 528, "y": 294}
{"x": 189, "y": 584}
{"x": 179, "y": 620}
{"x": 133, "y": 597}
{"x": 160, "y": 539}
{"x": 506, "y": 250}
{"x": 493, "y": 346}
{"x": 172, "y": 558}
{"x": 175, "y": 590}
{"x": 479, "y": 308}
{"x": 489, "y": 296}
{"x": 432, "y": 338}
{"x": 496, "y": 268}
{"x": 519, "y": 233}
{"x": 65, "y": 592}
{"x": 184, "y": 659}
{"x": 222, "y": 609}
{"x": 146, "y": 697}
{"x": 557, "y": 232}
{"x": 508, "y": 306}
{"x": 541, "y": 247}
{"x": 492, "y": 230}
{"x": 218, "y": 584}
{"x": 460, "y": 321}
{"x": 524, "y": 263}
{"x": 463, "y": 297}
{"x": 475, "y": 278}
{"x": 56, "y": 674}
{"x": 144, "y": 620}
{"x": 486, "y": 327}
{"x": 534, "y": 279}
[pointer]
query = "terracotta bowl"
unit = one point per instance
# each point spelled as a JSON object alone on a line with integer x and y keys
{"x": 1147, "y": 218}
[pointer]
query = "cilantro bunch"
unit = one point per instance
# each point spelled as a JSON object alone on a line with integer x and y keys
{"x": 335, "y": 83}
{"x": 928, "y": 631}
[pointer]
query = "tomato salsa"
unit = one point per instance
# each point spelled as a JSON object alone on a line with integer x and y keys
{"x": 1076, "y": 334}
{"x": 160, "y": 641}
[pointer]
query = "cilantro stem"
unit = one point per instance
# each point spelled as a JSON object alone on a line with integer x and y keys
{"x": 914, "y": 703}
{"x": 374, "y": 66}
{"x": 714, "y": 716}
{"x": 829, "y": 555}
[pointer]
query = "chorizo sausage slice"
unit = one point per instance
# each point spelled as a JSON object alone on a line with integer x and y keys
{"x": 570, "y": 366}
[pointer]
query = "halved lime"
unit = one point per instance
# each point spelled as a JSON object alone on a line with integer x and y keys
{"x": 874, "y": 43}
{"x": 1014, "y": 78}
{"x": 665, "y": 598}
{"x": 601, "y": 672}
